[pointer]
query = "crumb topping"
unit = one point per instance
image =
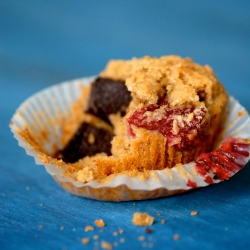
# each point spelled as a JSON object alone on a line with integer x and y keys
{"x": 150, "y": 78}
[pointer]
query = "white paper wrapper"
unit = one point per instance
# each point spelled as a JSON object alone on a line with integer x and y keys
{"x": 44, "y": 108}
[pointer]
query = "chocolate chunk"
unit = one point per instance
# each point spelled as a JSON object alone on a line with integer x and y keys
{"x": 108, "y": 97}
{"x": 202, "y": 95}
{"x": 148, "y": 231}
{"x": 87, "y": 141}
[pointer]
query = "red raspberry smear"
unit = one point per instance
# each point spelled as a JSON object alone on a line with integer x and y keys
{"x": 229, "y": 158}
{"x": 189, "y": 133}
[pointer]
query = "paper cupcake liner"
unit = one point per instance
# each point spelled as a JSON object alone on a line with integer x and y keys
{"x": 46, "y": 109}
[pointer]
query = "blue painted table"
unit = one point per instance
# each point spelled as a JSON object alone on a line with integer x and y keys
{"x": 46, "y": 42}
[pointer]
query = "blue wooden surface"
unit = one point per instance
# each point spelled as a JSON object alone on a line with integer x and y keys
{"x": 46, "y": 42}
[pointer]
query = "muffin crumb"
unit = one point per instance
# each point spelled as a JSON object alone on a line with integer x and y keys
{"x": 96, "y": 237}
{"x": 122, "y": 240}
{"x": 142, "y": 219}
{"x": 141, "y": 238}
{"x": 100, "y": 223}
{"x": 106, "y": 245}
{"x": 115, "y": 233}
{"x": 176, "y": 237}
{"x": 85, "y": 240}
{"x": 243, "y": 112}
{"x": 193, "y": 213}
{"x": 88, "y": 228}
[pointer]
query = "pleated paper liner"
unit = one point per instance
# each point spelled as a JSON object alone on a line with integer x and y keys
{"x": 48, "y": 109}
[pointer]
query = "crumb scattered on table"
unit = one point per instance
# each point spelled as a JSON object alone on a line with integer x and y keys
{"x": 115, "y": 233}
{"x": 88, "y": 228}
{"x": 100, "y": 223}
{"x": 106, "y": 245}
{"x": 176, "y": 237}
{"x": 96, "y": 237}
{"x": 85, "y": 240}
{"x": 148, "y": 230}
{"x": 122, "y": 240}
{"x": 163, "y": 221}
{"x": 142, "y": 219}
{"x": 194, "y": 213}
{"x": 141, "y": 238}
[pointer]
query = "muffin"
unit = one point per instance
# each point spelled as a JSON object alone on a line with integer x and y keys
{"x": 143, "y": 128}
{"x": 163, "y": 111}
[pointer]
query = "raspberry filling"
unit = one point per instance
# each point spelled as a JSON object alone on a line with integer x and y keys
{"x": 182, "y": 126}
{"x": 229, "y": 158}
